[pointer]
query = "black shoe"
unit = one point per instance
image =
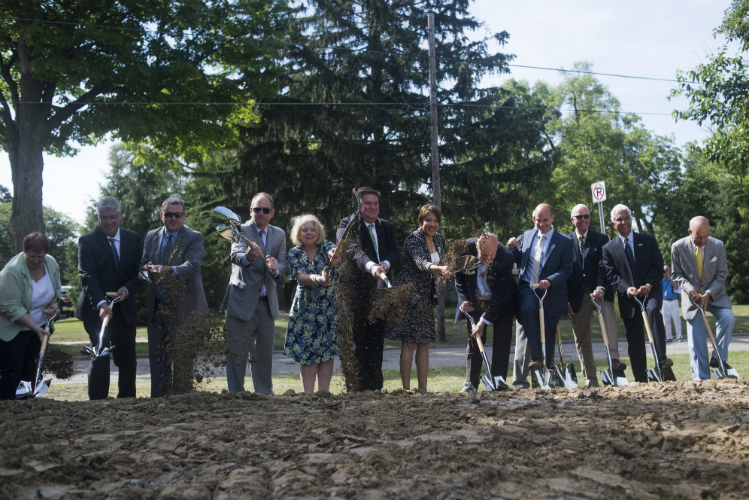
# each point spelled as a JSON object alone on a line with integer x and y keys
{"x": 714, "y": 363}
{"x": 667, "y": 363}
{"x": 669, "y": 340}
{"x": 617, "y": 366}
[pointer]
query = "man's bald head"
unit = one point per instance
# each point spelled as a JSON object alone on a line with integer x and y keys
{"x": 487, "y": 247}
{"x": 698, "y": 230}
{"x": 543, "y": 217}
{"x": 539, "y": 208}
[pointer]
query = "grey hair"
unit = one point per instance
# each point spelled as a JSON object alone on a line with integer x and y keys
{"x": 580, "y": 205}
{"x": 619, "y": 208}
{"x": 107, "y": 203}
{"x": 172, "y": 200}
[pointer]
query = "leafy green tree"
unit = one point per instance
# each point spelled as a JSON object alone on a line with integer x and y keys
{"x": 74, "y": 71}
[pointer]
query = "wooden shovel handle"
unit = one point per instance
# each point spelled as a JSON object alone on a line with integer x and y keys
{"x": 111, "y": 295}
{"x": 480, "y": 343}
{"x": 708, "y": 329}
{"x": 106, "y": 321}
{"x": 604, "y": 329}
{"x": 44, "y": 344}
{"x": 648, "y": 327}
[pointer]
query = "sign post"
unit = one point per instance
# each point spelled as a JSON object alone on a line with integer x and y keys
{"x": 599, "y": 193}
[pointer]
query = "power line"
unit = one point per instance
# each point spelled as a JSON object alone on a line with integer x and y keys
{"x": 346, "y": 49}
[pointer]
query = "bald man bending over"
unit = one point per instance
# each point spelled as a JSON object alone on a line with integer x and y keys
{"x": 544, "y": 257}
{"x": 699, "y": 266}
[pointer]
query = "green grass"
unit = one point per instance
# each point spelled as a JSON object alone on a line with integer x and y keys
{"x": 71, "y": 329}
{"x": 446, "y": 379}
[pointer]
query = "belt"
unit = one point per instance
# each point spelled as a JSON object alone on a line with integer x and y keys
{"x": 263, "y": 298}
{"x": 670, "y": 299}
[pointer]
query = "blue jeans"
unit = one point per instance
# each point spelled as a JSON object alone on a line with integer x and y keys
{"x": 696, "y": 335}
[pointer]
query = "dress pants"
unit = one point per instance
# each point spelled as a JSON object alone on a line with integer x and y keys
{"x": 529, "y": 303}
{"x": 696, "y": 334}
{"x": 581, "y": 322}
{"x": 122, "y": 336}
{"x": 368, "y": 350}
{"x": 18, "y": 361}
{"x": 163, "y": 332}
{"x": 670, "y": 310}
{"x": 502, "y": 336}
{"x": 254, "y": 337}
{"x": 521, "y": 359}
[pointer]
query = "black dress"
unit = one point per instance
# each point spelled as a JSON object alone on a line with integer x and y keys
{"x": 419, "y": 320}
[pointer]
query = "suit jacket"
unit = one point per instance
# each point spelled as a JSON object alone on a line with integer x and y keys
{"x": 246, "y": 281}
{"x": 187, "y": 256}
{"x": 557, "y": 267}
{"x": 362, "y": 249}
{"x": 588, "y": 273}
{"x": 649, "y": 265}
{"x": 99, "y": 274}
{"x": 715, "y": 271}
{"x": 499, "y": 280}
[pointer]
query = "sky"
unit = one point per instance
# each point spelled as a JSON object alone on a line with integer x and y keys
{"x": 640, "y": 38}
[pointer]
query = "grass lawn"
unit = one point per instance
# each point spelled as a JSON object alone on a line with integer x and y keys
{"x": 447, "y": 379}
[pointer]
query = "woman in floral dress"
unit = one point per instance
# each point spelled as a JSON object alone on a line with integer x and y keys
{"x": 311, "y": 333}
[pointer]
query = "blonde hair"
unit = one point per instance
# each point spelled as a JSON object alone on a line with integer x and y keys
{"x": 300, "y": 221}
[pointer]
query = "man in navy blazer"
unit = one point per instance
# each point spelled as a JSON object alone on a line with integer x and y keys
{"x": 636, "y": 274}
{"x": 544, "y": 257}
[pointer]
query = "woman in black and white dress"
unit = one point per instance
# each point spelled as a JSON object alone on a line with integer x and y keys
{"x": 423, "y": 260}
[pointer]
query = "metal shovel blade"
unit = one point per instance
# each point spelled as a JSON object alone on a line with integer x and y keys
{"x": 607, "y": 377}
{"x": 542, "y": 378}
{"x": 105, "y": 352}
{"x": 42, "y": 388}
{"x": 567, "y": 375}
{"x": 24, "y": 390}
{"x": 494, "y": 383}
{"x": 727, "y": 372}
{"x": 654, "y": 375}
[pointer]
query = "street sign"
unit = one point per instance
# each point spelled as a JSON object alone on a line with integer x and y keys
{"x": 598, "y": 192}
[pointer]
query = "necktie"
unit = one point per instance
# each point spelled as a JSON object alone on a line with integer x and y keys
{"x": 114, "y": 253}
{"x": 699, "y": 262}
{"x": 166, "y": 253}
{"x": 371, "y": 228}
{"x": 537, "y": 261}
{"x": 631, "y": 258}
{"x": 580, "y": 245}
{"x": 262, "y": 232}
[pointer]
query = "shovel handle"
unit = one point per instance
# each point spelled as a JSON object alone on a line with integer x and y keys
{"x": 44, "y": 344}
{"x": 604, "y": 330}
{"x": 648, "y": 327}
{"x": 480, "y": 344}
{"x": 105, "y": 323}
{"x": 559, "y": 345}
{"x": 708, "y": 329}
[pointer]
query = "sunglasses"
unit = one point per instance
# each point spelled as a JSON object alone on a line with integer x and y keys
{"x": 265, "y": 210}
{"x": 176, "y": 215}
{"x": 584, "y": 217}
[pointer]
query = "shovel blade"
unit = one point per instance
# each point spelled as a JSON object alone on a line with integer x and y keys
{"x": 494, "y": 383}
{"x": 542, "y": 378}
{"x": 654, "y": 375}
{"x": 731, "y": 372}
{"x": 568, "y": 376}
{"x": 24, "y": 390}
{"x": 607, "y": 377}
{"x": 42, "y": 388}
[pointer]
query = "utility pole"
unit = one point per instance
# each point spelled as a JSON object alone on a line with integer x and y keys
{"x": 435, "y": 163}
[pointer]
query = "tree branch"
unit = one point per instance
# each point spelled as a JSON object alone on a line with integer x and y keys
{"x": 66, "y": 112}
{"x": 5, "y": 72}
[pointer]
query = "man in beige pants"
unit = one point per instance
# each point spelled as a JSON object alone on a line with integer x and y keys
{"x": 589, "y": 277}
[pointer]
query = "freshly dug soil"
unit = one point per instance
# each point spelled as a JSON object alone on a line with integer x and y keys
{"x": 672, "y": 440}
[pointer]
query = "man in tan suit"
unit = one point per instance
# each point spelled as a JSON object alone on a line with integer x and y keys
{"x": 699, "y": 266}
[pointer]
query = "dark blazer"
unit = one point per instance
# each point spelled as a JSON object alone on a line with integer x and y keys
{"x": 96, "y": 268}
{"x": 362, "y": 249}
{"x": 649, "y": 265}
{"x": 589, "y": 273}
{"x": 557, "y": 268}
{"x": 499, "y": 280}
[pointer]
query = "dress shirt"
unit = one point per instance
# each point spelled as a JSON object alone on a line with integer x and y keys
{"x": 164, "y": 240}
{"x": 116, "y": 237}
{"x": 369, "y": 265}
{"x": 545, "y": 245}
{"x": 629, "y": 237}
{"x": 483, "y": 291}
{"x": 246, "y": 261}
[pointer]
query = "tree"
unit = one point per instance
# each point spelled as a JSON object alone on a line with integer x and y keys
{"x": 73, "y": 71}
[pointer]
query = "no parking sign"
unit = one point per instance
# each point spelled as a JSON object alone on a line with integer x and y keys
{"x": 598, "y": 192}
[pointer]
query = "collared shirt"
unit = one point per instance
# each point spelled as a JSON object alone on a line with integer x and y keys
{"x": 693, "y": 246}
{"x": 263, "y": 233}
{"x": 369, "y": 265}
{"x": 165, "y": 258}
{"x": 668, "y": 290}
{"x": 483, "y": 291}
{"x": 629, "y": 237}
{"x": 545, "y": 246}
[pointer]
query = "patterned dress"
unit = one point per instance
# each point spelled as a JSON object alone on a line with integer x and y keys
{"x": 419, "y": 321}
{"x": 311, "y": 333}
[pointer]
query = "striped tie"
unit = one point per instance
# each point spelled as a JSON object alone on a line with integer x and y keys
{"x": 537, "y": 261}
{"x": 581, "y": 242}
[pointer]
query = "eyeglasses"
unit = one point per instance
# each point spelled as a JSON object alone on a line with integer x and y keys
{"x": 584, "y": 217}
{"x": 176, "y": 215}
{"x": 265, "y": 210}
{"x": 112, "y": 218}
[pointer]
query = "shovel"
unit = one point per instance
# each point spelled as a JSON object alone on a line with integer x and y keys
{"x": 491, "y": 383}
{"x": 608, "y": 375}
{"x": 724, "y": 369}
{"x": 101, "y": 351}
{"x": 542, "y": 375}
{"x": 656, "y": 374}
{"x": 566, "y": 373}
{"x": 353, "y": 222}
{"x": 228, "y": 224}
{"x": 38, "y": 388}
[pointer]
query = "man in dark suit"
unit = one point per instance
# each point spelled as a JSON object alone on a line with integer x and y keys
{"x": 544, "y": 257}
{"x": 108, "y": 259}
{"x": 634, "y": 265}
{"x": 372, "y": 250}
{"x": 175, "y": 252}
{"x": 489, "y": 295}
{"x": 589, "y": 276}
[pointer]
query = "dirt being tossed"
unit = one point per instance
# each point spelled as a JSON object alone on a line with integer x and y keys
{"x": 672, "y": 440}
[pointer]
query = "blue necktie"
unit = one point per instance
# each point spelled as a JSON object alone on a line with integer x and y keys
{"x": 114, "y": 253}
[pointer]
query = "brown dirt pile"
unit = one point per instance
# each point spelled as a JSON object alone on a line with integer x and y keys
{"x": 58, "y": 363}
{"x": 673, "y": 440}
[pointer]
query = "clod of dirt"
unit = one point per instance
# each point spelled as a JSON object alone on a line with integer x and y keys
{"x": 58, "y": 363}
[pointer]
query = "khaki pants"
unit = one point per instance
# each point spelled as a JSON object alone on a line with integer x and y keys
{"x": 582, "y": 331}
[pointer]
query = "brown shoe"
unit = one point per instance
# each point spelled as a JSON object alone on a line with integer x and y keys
{"x": 667, "y": 363}
{"x": 536, "y": 365}
{"x": 616, "y": 365}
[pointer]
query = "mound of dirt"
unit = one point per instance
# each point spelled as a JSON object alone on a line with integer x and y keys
{"x": 672, "y": 440}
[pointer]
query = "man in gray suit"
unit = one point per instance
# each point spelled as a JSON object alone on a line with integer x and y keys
{"x": 175, "y": 253}
{"x": 250, "y": 301}
{"x": 699, "y": 266}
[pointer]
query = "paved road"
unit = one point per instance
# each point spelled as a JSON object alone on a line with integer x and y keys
{"x": 439, "y": 356}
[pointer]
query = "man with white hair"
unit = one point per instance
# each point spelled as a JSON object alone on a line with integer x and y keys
{"x": 700, "y": 268}
{"x": 589, "y": 277}
{"x": 634, "y": 263}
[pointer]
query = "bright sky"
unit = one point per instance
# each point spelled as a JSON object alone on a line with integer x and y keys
{"x": 640, "y": 38}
